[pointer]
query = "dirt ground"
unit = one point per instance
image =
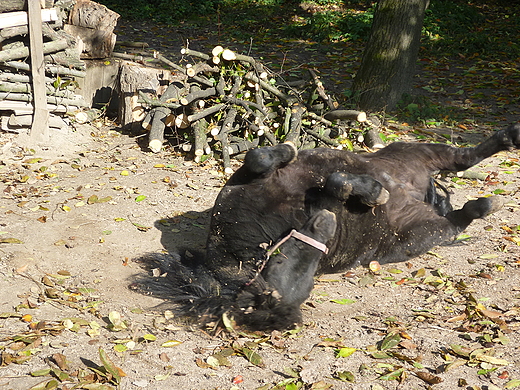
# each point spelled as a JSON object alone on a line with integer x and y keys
{"x": 74, "y": 215}
{"x": 79, "y": 218}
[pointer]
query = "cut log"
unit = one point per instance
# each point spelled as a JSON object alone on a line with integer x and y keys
{"x": 134, "y": 79}
{"x": 157, "y": 117}
{"x": 323, "y": 138}
{"x": 53, "y": 69}
{"x": 22, "y": 52}
{"x": 19, "y": 78}
{"x": 97, "y": 43}
{"x": 359, "y": 116}
{"x": 27, "y": 88}
{"x": 172, "y": 93}
{"x": 373, "y": 139}
{"x": 138, "y": 45}
{"x": 90, "y": 14}
{"x": 19, "y": 5}
{"x": 217, "y": 50}
{"x": 199, "y": 138}
{"x": 188, "y": 52}
{"x": 295, "y": 124}
{"x": 156, "y": 137}
{"x": 198, "y": 94}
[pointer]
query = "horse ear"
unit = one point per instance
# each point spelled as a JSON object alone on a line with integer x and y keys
{"x": 324, "y": 223}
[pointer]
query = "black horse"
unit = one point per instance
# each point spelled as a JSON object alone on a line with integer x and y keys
{"x": 284, "y": 217}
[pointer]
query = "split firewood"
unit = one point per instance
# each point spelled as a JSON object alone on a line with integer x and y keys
{"x": 97, "y": 43}
{"x": 90, "y": 14}
{"x": 13, "y": 19}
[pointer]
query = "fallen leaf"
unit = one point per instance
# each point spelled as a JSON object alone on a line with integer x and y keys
{"x": 253, "y": 357}
{"x": 171, "y": 343}
{"x": 343, "y": 301}
{"x": 390, "y": 341}
{"x": 512, "y": 384}
{"x": 10, "y": 240}
{"x": 345, "y": 352}
{"x": 238, "y": 379}
{"x": 491, "y": 359}
{"x": 429, "y": 378}
{"x": 109, "y": 366}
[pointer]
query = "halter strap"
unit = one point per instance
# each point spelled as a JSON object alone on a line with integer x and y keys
{"x": 299, "y": 236}
{"x": 302, "y": 237}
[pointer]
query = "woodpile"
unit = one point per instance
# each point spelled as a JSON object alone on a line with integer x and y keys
{"x": 221, "y": 103}
{"x": 226, "y": 103}
{"x": 43, "y": 47}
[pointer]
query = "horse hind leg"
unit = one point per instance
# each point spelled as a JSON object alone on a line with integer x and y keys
{"x": 343, "y": 185}
{"x": 474, "y": 209}
{"x": 269, "y": 158}
{"x": 421, "y": 235}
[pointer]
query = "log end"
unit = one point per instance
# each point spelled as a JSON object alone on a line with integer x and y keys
{"x": 155, "y": 145}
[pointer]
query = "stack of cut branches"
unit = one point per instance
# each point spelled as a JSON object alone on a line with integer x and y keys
{"x": 228, "y": 103}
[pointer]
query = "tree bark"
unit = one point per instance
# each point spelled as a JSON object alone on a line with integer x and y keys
{"x": 390, "y": 56}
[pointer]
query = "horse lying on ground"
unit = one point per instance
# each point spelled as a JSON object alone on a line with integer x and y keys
{"x": 284, "y": 217}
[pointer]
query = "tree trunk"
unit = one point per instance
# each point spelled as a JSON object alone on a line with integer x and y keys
{"x": 390, "y": 56}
